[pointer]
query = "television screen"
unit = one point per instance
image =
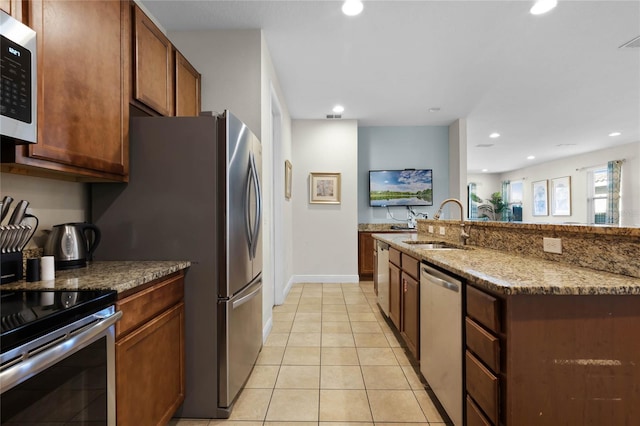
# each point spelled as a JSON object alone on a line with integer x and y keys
{"x": 408, "y": 187}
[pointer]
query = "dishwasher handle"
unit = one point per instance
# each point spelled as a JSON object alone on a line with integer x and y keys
{"x": 439, "y": 281}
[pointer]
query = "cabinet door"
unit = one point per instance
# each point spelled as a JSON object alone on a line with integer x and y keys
{"x": 83, "y": 97}
{"x": 13, "y": 8}
{"x": 152, "y": 65}
{"x": 395, "y": 295}
{"x": 150, "y": 370}
{"x": 365, "y": 255}
{"x": 411, "y": 313}
{"x": 187, "y": 88}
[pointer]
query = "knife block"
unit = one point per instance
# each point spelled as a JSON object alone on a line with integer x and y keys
{"x": 11, "y": 267}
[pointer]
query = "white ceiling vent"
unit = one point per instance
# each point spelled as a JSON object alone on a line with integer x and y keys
{"x": 631, "y": 44}
{"x": 334, "y": 116}
{"x": 484, "y": 145}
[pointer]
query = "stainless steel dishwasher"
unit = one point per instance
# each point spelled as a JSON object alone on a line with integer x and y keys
{"x": 441, "y": 338}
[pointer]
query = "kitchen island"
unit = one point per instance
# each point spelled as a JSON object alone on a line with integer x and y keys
{"x": 149, "y": 338}
{"x": 544, "y": 342}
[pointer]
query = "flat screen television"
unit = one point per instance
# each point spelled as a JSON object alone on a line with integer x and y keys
{"x": 409, "y": 187}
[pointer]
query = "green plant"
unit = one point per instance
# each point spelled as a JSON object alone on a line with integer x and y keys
{"x": 491, "y": 208}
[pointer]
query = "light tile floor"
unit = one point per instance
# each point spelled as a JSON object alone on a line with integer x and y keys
{"x": 331, "y": 358}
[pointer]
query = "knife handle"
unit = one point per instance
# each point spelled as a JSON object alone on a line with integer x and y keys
{"x": 19, "y": 212}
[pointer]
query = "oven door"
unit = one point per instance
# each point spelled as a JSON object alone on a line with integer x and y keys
{"x": 65, "y": 377}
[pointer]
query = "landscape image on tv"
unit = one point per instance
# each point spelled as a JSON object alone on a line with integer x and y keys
{"x": 400, "y": 188}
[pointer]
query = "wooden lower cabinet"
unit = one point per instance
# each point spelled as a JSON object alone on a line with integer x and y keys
{"x": 150, "y": 380}
{"x": 411, "y": 313}
{"x": 366, "y": 243}
{"x": 551, "y": 359}
{"x": 395, "y": 295}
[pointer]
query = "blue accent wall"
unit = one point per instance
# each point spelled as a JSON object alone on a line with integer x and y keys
{"x": 397, "y": 148}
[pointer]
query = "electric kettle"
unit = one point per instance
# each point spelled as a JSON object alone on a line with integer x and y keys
{"x": 70, "y": 246}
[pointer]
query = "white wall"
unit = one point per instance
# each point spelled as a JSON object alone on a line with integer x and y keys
{"x": 457, "y": 168}
{"x": 401, "y": 147}
{"x": 486, "y": 184}
{"x": 325, "y": 235}
{"x": 577, "y": 168}
{"x": 230, "y": 64}
{"x": 52, "y": 201}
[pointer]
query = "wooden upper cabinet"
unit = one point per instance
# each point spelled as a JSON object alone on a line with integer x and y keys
{"x": 83, "y": 91}
{"x": 187, "y": 87}
{"x": 152, "y": 65}
{"x": 13, "y": 8}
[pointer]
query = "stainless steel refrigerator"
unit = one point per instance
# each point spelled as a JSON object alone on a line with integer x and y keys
{"x": 194, "y": 193}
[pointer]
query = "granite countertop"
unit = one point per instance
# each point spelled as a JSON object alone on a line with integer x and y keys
{"x": 510, "y": 274}
{"x": 104, "y": 275}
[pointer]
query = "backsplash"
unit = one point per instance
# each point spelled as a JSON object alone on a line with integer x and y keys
{"x": 604, "y": 248}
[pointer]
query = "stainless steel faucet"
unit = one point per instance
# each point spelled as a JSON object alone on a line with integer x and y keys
{"x": 464, "y": 236}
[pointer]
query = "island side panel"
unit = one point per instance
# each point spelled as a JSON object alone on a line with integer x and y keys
{"x": 573, "y": 360}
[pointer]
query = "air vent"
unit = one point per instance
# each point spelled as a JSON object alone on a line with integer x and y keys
{"x": 484, "y": 145}
{"x": 635, "y": 43}
{"x": 334, "y": 116}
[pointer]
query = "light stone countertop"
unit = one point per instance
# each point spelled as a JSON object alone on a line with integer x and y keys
{"x": 510, "y": 274}
{"x": 104, "y": 275}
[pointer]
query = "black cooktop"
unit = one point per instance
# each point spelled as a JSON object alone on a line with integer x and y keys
{"x": 29, "y": 314}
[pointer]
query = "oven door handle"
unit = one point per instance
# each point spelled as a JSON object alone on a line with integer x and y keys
{"x": 59, "y": 350}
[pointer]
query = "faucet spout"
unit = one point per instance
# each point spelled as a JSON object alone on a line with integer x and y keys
{"x": 464, "y": 236}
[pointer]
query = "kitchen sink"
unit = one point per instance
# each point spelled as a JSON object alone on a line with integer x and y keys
{"x": 432, "y": 245}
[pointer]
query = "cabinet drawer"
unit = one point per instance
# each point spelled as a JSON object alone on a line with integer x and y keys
{"x": 142, "y": 306}
{"x": 474, "y": 415}
{"x": 483, "y": 386}
{"x": 483, "y": 344}
{"x": 394, "y": 256}
{"x": 484, "y": 308}
{"x": 410, "y": 265}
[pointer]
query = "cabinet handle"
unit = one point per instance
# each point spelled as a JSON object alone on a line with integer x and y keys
{"x": 405, "y": 285}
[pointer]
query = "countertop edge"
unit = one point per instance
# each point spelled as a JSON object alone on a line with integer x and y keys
{"x": 105, "y": 275}
{"x": 521, "y": 279}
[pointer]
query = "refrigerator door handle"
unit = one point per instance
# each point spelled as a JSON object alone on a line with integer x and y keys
{"x": 258, "y": 189}
{"x": 246, "y": 298}
{"x": 247, "y": 213}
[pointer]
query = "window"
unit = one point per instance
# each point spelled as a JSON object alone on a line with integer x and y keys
{"x": 597, "y": 195}
{"x": 516, "y": 195}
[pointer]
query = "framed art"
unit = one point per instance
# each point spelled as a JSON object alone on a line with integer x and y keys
{"x": 287, "y": 179}
{"x": 561, "y": 196}
{"x": 540, "y": 198}
{"x": 324, "y": 188}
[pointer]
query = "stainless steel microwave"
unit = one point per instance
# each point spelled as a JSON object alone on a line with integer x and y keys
{"x": 19, "y": 89}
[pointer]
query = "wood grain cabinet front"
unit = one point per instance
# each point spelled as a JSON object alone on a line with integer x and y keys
{"x": 152, "y": 65}
{"x": 395, "y": 295}
{"x": 150, "y": 380}
{"x": 187, "y": 93}
{"x": 83, "y": 92}
{"x": 411, "y": 313}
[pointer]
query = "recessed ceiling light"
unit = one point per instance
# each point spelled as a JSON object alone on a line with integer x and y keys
{"x": 352, "y": 7}
{"x": 615, "y": 134}
{"x": 542, "y": 6}
{"x": 435, "y": 109}
{"x": 338, "y": 109}
{"x": 485, "y": 170}
{"x": 531, "y": 157}
{"x": 494, "y": 135}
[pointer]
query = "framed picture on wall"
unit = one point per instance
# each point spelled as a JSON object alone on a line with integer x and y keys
{"x": 540, "y": 198}
{"x": 324, "y": 188}
{"x": 287, "y": 179}
{"x": 561, "y": 196}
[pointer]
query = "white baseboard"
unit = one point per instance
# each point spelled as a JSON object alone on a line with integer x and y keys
{"x": 266, "y": 329}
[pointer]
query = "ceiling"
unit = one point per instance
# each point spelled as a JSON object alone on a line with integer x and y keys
{"x": 552, "y": 85}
